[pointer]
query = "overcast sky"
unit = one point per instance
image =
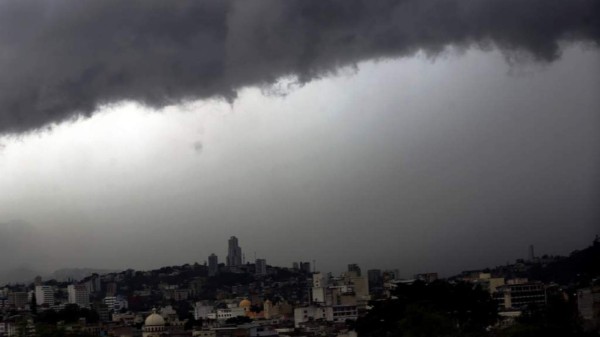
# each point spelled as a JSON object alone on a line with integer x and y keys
{"x": 432, "y": 135}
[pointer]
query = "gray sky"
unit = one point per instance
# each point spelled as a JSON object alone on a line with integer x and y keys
{"x": 425, "y": 136}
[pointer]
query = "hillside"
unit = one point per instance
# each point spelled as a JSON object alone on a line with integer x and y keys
{"x": 581, "y": 266}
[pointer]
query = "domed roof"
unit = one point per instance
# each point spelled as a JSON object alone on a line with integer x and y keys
{"x": 154, "y": 319}
{"x": 245, "y": 303}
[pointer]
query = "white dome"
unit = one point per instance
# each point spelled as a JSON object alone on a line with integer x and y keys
{"x": 154, "y": 320}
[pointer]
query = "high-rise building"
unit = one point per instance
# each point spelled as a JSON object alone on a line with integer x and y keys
{"x": 261, "y": 267}
{"x": 213, "y": 265}
{"x": 234, "y": 256}
{"x": 375, "y": 279}
{"x": 305, "y": 267}
{"x": 18, "y": 299}
{"x": 44, "y": 295}
{"x": 79, "y": 294}
{"x": 354, "y": 268}
{"x": 319, "y": 289}
{"x": 93, "y": 283}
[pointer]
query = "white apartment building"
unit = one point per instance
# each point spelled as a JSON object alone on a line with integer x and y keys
{"x": 334, "y": 313}
{"x": 349, "y": 289}
{"x": 202, "y": 310}
{"x": 115, "y": 303}
{"x": 319, "y": 288}
{"x": 224, "y": 314}
{"x": 44, "y": 295}
{"x": 79, "y": 294}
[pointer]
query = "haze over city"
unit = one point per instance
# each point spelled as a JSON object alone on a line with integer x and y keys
{"x": 143, "y": 134}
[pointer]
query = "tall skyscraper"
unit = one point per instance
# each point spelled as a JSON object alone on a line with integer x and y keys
{"x": 213, "y": 265}
{"x": 234, "y": 256}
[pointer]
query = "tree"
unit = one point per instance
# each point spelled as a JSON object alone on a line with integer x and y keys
{"x": 558, "y": 318}
{"x": 33, "y": 304}
{"x": 22, "y": 328}
{"x": 435, "y": 309}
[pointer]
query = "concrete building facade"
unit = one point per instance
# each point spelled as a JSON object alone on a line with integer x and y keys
{"x": 79, "y": 294}
{"x": 44, "y": 295}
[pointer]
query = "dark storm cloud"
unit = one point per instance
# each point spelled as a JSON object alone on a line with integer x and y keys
{"x": 64, "y": 58}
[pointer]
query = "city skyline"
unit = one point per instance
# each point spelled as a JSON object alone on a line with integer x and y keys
{"x": 245, "y": 299}
{"x": 307, "y": 265}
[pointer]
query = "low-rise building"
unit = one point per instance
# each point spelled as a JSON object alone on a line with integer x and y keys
{"x": 116, "y": 303}
{"x": 427, "y": 277}
{"x": 202, "y": 310}
{"x": 520, "y": 295}
{"x": 225, "y": 314}
{"x": 331, "y": 313}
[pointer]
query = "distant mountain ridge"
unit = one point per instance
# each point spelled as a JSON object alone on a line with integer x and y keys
{"x": 581, "y": 266}
{"x": 77, "y": 274}
{"x": 26, "y": 275}
{"x": 17, "y": 275}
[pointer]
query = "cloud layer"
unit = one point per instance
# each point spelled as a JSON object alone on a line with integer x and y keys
{"x": 61, "y": 59}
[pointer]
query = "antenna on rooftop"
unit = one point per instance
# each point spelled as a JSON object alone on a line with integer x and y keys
{"x": 531, "y": 253}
